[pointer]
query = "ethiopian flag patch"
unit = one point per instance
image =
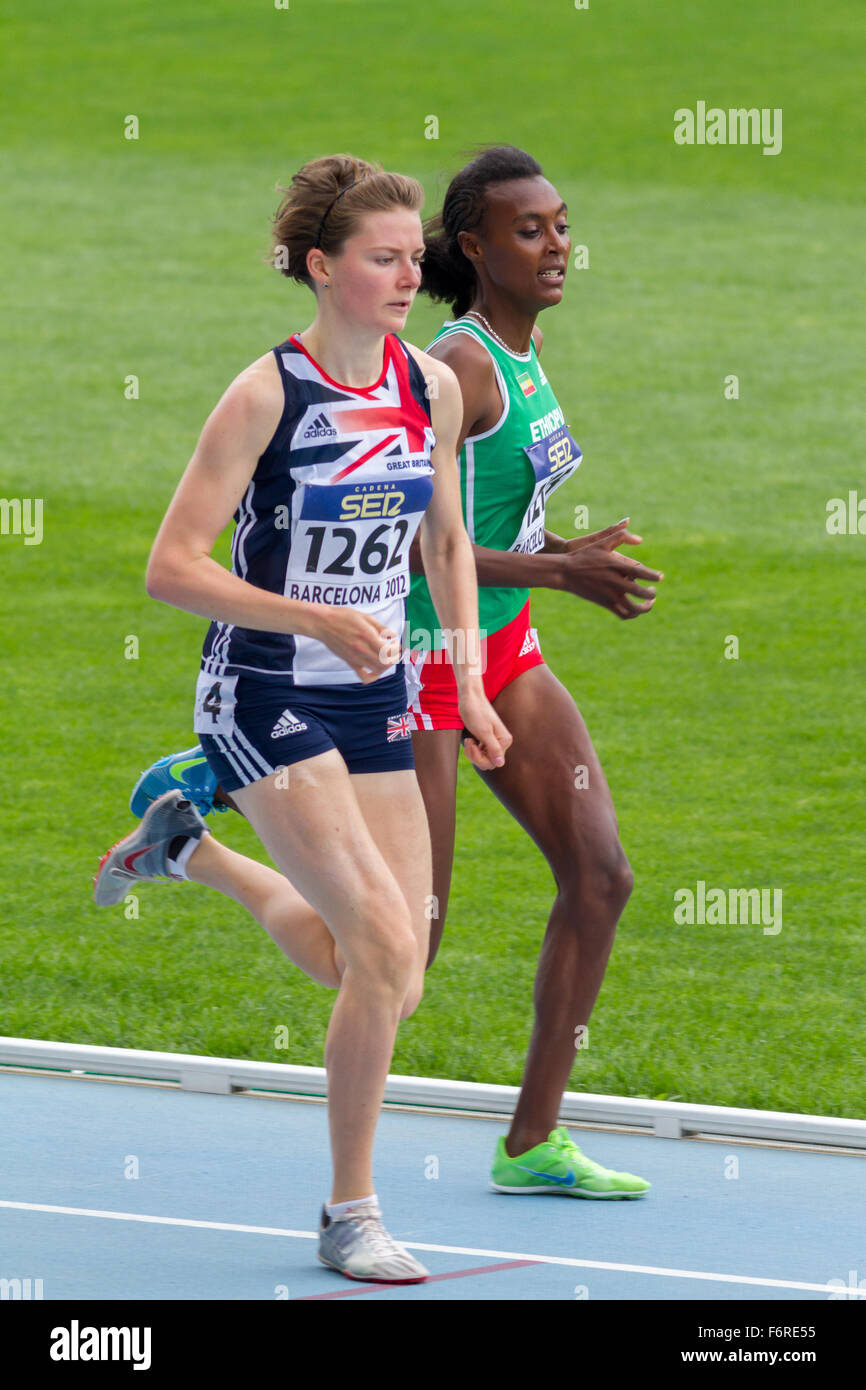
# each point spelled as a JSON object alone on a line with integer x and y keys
{"x": 527, "y": 385}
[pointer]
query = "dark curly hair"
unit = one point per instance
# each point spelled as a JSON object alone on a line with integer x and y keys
{"x": 446, "y": 273}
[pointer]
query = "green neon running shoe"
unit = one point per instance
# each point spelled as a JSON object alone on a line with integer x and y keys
{"x": 559, "y": 1166}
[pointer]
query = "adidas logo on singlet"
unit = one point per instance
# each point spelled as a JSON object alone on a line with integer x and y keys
{"x": 320, "y": 429}
{"x": 287, "y": 724}
{"x": 528, "y": 644}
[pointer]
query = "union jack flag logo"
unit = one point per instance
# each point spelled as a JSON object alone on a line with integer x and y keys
{"x": 398, "y": 727}
{"x": 352, "y": 427}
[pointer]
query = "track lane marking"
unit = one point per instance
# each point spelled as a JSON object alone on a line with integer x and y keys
{"x": 431, "y": 1279}
{"x": 655, "y": 1270}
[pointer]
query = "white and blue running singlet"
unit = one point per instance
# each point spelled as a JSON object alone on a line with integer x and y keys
{"x": 331, "y": 510}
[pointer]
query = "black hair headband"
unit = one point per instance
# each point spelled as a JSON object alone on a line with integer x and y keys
{"x": 330, "y": 205}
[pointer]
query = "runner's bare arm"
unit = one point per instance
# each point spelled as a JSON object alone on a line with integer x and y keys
{"x": 445, "y": 545}
{"x": 447, "y": 554}
{"x": 482, "y": 406}
{"x": 599, "y": 574}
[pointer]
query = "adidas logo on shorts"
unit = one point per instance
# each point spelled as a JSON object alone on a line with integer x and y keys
{"x": 528, "y": 644}
{"x": 320, "y": 429}
{"x": 287, "y": 724}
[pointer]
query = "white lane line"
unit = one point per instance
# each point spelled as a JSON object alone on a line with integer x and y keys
{"x": 163, "y": 1220}
{"x": 655, "y": 1270}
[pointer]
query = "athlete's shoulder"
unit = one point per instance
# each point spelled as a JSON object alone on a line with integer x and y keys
{"x": 257, "y": 384}
{"x": 433, "y": 367}
{"x": 460, "y": 341}
{"x": 464, "y": 354}
{"x": 252, "y": 405}
{"x": 537, "y": 338}
{"x": 443, "y": 393}
{"x": 459, "y": 348}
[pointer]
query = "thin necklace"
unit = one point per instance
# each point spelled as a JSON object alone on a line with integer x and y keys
{"x": 494, "y": 334}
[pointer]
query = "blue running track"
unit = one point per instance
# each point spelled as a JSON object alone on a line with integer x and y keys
{"x": 118, "y": 1191}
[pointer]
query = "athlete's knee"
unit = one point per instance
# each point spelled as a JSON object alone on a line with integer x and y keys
{"x": 413, "y": 998}
{"x": 604, "y": 877}
{"x": 613, "y": 876}
{"x": 625, "y": 877}
{"x": 382, "y": 946}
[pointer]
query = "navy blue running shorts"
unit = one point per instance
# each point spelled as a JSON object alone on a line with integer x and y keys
{"x": 251, "y": 727}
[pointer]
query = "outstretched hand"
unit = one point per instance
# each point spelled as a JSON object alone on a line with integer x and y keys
{"x": 592, "y": 569}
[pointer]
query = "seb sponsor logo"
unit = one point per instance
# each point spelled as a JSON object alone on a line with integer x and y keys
{"x": 360, "y": 504}
{"x": 553, "y": 420}
{"x": 560, "y": 453}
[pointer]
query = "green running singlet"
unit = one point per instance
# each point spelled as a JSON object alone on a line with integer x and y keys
{"x": 506, "y": 476}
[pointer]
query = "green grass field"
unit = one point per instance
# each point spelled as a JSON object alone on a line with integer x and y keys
{"x": 145, "y": 257}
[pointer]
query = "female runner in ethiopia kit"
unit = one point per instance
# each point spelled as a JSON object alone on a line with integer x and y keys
{"x": 498, "y": 254}
{"x": 331, "y": 451}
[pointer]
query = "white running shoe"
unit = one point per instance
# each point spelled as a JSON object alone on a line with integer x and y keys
{"x": 358, "y": 1246}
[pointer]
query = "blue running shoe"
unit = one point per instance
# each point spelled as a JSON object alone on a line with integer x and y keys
{"x": 188, "y": 772}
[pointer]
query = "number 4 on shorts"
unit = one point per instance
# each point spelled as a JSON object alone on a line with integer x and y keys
{"x": 215, "y": 701}
{"x": 212, "y": 702}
